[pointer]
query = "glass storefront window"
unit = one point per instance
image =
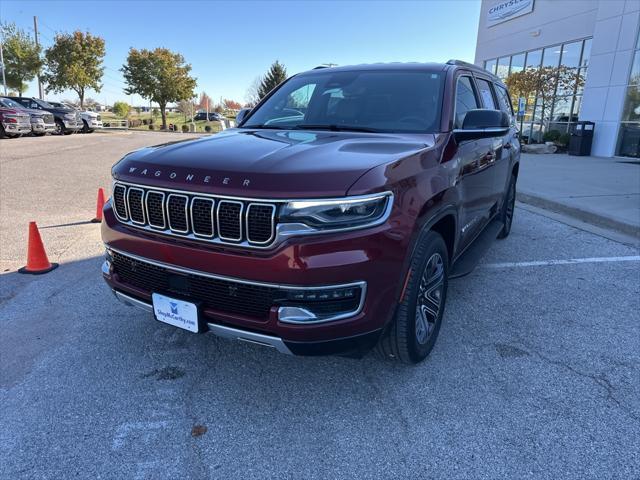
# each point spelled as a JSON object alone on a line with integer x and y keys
{"x": 577, "y": 103}
{"x": 571, "y": 54}
{"x": 631, "y": 110}
{"x": 517, "y": 63}
{"x": 551, "y": 57}
{"x": 586, "y": 53}
{"x": 534, "y": 59}
{"x": 634, "y": 79}
{"x": 503, "y": 67}
{"x": 490, "y": 66}
{"x": 629, "y": 134}
{"x": 562, "y": 110}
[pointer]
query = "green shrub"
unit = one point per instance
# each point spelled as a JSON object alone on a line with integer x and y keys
{"x": 151, "y": 127}
{"x": 185, "y": 128}
{"x": 551, "y": 136}
{"x": 207, "y": 128}
{"x": 145, "y": 121}
{"x": 563, "y": 140}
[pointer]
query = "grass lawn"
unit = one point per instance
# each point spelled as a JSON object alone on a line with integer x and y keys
{"x": 176, "y": 119}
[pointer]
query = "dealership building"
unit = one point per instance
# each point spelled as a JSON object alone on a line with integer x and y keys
{"x": 597, "y": 39}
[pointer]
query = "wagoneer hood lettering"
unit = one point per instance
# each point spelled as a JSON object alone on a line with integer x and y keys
{"x": 277, "y": 164}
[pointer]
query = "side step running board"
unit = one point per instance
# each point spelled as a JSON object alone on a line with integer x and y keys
{"x": 472, "y": 256}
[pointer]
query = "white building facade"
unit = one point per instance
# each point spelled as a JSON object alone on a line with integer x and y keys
{"x": 598, "y": 39}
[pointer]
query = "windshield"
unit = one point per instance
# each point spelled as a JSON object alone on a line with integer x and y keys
{"x": 43, "y": 104}
{"x": 7, "y": 102}
{"x": 376, "y": 101}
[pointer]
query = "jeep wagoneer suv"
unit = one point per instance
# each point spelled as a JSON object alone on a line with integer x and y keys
{"x": 330, "y": 220}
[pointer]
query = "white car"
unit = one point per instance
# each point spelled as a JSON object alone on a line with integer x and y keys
{"x": 90, "y": 120}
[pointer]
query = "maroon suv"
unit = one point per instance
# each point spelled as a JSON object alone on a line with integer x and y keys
{"x": 330, "y": 219}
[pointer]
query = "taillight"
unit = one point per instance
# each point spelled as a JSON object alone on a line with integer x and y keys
{"x": 9, "y": 119}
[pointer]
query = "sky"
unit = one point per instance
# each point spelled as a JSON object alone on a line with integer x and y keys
{"x": 229, "y": 44}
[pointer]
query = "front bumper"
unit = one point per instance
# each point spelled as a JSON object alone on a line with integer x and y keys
{"x": 40, "y": 127}
{"x": 71, "y": 125}
{"x": 94, "y": 124}
{"x": 17, "y": 128}
{"x": 373, "y": 256}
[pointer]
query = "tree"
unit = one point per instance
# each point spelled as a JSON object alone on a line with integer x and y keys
{"x": 274, "y": 77}
{"x": 74, "y": 61}
{"x": 541, "y": 85}
{"x": 252, "y": 97}
{"x": 121, "y": 109}
{"x": 186, "y": 107}
{"x": 159, "y": 75}
{"x": 231, "y": 104}
{"x": 21, "y": 57}
{"x": 205, "y": 102}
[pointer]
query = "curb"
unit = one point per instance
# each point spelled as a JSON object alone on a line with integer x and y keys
{"x": 583, "y": 215}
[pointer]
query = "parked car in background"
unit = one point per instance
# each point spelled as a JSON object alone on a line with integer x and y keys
{"x": 213, "y": 116}
{"x": 14, "y": 122}
{"x": 91, "y": 121}
{"x": 41, "y": 122}
{"x": 67, "y": 120}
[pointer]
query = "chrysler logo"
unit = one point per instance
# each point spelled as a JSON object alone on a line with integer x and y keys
{"x": 189, "y": 177}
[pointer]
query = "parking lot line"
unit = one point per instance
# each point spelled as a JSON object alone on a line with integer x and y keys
{"x": 569, "y": 261}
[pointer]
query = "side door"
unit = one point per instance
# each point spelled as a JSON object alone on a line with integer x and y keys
{"x": 492, "y": 151}
{"x": 510, "y": 143}
{"x": 474, "y": 181}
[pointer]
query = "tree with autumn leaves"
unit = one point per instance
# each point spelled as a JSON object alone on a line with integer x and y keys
{"x": 543, "y": 83}
{"x": 160, "y": 75}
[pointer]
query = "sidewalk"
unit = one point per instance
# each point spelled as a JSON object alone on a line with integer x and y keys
{"x": 601, "y": 191}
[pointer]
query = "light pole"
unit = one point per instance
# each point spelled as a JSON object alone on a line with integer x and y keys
{"x": 4, "y": 79}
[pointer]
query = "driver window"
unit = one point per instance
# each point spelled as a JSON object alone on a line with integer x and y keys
{"x": 294, "y": 107}
{"x": 465, "y": 100}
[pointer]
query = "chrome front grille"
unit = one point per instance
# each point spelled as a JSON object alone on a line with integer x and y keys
{"x": 197, "y": 216}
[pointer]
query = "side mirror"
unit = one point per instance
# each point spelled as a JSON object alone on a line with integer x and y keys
{"x": 242, "y": 114}
{"x": 482, "y": 123}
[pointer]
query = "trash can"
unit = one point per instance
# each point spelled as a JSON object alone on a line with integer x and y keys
{"x": 581, "y": 138}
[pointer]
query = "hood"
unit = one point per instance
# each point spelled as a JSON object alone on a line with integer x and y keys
{"x": 267, "y": 163}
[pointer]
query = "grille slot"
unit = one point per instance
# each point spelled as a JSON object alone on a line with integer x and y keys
{"x": 135, "y": 201}
{"x": 155, "y": 209}
{"x": 230, "y": 220}
{"x": 260, "y": 222}
{"x": 202, "y": 216}
{"x": 177, "y": 212}
{"x": 119, "y": 202}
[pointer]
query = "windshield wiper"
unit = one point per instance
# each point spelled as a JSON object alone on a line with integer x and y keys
{"x": 270, "y": 127}
{"x": 338, "y": 128}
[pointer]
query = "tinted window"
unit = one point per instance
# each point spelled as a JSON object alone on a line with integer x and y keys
{"x": 503, "y": 100}
{"x": 485, "y": 93}
{"x": 465, "y": 100}
{"x": 386, "y": 101}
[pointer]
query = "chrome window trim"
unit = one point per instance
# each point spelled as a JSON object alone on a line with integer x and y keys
{"x": 146, "y": 205}
{"x": 126, "y": 204}
{"x": 273, "y": 222}
{"x": 186, "y": 212}
{"x": 129, "y": 190}
{"x": 193, "y": 225}
{"x": 220, "y": 236}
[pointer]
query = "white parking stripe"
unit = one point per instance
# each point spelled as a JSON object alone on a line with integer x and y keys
{"x": 569, "y": 261}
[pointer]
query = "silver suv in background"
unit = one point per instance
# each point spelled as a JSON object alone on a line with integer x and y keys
{"x": 91, "y": 121}
{"x": 42, "y": 122}
{"x": 67, "y": 120}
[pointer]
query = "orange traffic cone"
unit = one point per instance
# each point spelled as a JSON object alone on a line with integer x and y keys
{"x": 37, "y": 261}
{"x": 99, "y": 207}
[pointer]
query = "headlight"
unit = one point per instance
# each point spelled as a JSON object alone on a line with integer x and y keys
{"x": 340, "y": 213}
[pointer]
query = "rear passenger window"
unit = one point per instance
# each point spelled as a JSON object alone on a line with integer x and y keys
{"x": 485, "y": 92}
{"x": 503, "y": 100}
{"x": 465, "y": 100}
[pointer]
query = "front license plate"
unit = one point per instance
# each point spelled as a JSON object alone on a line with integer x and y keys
{"x": 175, "y": 312}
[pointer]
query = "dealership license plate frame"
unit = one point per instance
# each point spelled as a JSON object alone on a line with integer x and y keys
{"x": 176, "y": 312}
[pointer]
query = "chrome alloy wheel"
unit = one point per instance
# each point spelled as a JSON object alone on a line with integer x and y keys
{"x": 429, "y": 301}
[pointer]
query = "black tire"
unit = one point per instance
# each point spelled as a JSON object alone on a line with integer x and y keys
{"x": 406, "y": 339}
{"x": 2, "y": 132}
{"x": 508, "y": 208}
{"x": 60, "y": 128}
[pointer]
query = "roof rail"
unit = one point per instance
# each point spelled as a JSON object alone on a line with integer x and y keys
{"x": 453, "y": 61}
{"x": 325, "y": 65}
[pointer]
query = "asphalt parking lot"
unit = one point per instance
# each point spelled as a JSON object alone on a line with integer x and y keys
{"x": 536, "y": 373}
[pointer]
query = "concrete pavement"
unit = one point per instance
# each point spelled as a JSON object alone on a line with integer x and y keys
{"x": 601, "y": 191}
